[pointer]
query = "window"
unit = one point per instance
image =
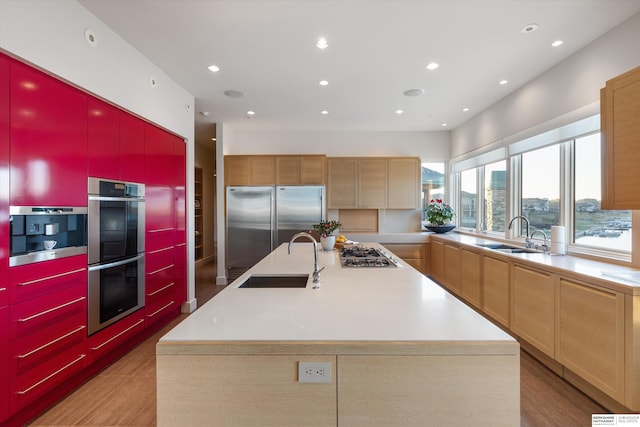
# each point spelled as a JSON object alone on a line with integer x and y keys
{"x": 540, "y": 201}
{"x": 432, "y": 184}
{"x": 592, "y": 226}
{"x": 495, "y": 196}
{"x": 468, "y": 198}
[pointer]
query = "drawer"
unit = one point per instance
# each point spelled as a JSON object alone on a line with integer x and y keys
{"x": 27, "y": 388}
{"x": 115, "y": 335}
{"x": 53, "y": 313}
{"x": 4, "y": 363}
{"x": 36, "y": 349}
{"x": 159, "y": 238}
{"x": 159, "y": 258}
{"x": 160, "y": 304}
{"x": 28, "y": 281}
{"x": 159, "y": 278}
{"x": 4, "y": 294}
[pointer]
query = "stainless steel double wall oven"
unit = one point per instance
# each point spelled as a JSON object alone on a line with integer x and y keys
{"x": 116, "y": 251}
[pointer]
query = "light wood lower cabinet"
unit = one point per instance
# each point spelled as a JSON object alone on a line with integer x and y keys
{"x": 412, "y": 254}
{"x": 452, "y": 268}
{"x": 533, "y": 308}
{"x": 437, "y": 260}
{"x": 496, "y": 288}
{"x": 591, "y": 341}
{"x": 471, "y": 283}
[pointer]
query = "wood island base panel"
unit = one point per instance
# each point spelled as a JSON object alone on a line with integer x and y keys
{"x": 394, "y": 347}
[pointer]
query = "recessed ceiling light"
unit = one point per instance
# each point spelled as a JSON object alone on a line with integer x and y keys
{"x": 444, "y": 125}
{"x": 503, "y": 82}
{"x": 399, "y": 111}
{"x": 233, "y": 93}
{"x": 465, "y": 109}
{"x": 322, "y": 43}
{"x": 432, "y": 66}
{"x": 413, "y": 92}
{"x": 213, "y": 68}
{"x": 251, "y": 112}
{"x": 530, "y": 28}
{"x": 557, "y": 43}
{"x": 213, "y": 139}
{"x": 204, "y": 113}
{"x": 323, "y": 82}
{"x": 324, "y": 112}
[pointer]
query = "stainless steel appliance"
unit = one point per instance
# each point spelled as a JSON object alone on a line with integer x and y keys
{"x": 116, "y": 251}
{"x": 260, "y": 218}
{"x": 31, "y": 226}
{"x": 361, "y": 256}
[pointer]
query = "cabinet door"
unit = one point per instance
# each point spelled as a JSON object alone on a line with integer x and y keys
{"x": 404, "y": 184}
{"x": 263, "y": 170}
{"x": 4, "y": 361}
{"x": 533, "y": 314}
{"x": 4, "y": 182}
{"x": 313, "y": 170}
{"x": 412, "y": 254}
{"x": 495, "y": 289}
{"x": 620, "y": 108}
{"x": 237, "y": 170}
{"x": 471, "y": 284}
{"x": 437, "y": 260}
{"x": 452, "y": 268}
{"x": 158, "y": 146}
{"x": 288, "y": 170}
{"x": 372, "y": 183}
{"x": 48, "y": 140}
{"x": 103, "y": 139}
{"x": 180, "y": 221}
{"x": 159, "y": 217}
{"x": 342, "y": 192}
{"x": 132, "y": 164}
{"x": 591, "y": 331}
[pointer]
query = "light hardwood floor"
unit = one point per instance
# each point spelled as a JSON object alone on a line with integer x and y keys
{"x": 124, "y": 393}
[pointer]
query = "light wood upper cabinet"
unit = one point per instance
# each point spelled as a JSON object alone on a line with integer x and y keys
{"x": 592, "y": 335}
{"x": 496, "y": 289}
{"x": 533, "y": 302}
{"x": 275, "y": 170}
{"x": 404, "y": 183}
{"x": 313, "y": 170}
{"x": 620, "y": 127}
{"x": 372, "y": 183}
{"x": 288, "y": 170}
{"x": 237, "y": 170}
{"x": 471, "y": 285}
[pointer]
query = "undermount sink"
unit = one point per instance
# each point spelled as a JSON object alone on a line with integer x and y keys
{"x": 284, "y": 281}
{"x": 501, "y": 247}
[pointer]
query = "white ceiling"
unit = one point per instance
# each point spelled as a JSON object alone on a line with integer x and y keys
{"x": 377, "y": 50}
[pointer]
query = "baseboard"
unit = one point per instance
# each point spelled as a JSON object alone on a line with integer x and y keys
{"x": 189, "y": 306}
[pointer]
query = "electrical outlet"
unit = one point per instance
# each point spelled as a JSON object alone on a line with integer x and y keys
{"x": 314, "y": 372}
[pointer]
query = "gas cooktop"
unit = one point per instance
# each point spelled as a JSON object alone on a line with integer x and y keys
{"x": 360, "y": 256}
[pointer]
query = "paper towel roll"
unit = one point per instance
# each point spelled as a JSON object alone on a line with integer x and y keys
{"x": 557, "y": 234}
{"x": 558, "y": 248}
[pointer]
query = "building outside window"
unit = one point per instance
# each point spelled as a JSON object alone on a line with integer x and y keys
{"x": 468, "y": 199}
{"x": 495, "y": 196}
{"x": 432, "y": 184}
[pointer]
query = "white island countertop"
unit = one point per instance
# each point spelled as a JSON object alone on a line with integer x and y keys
{"x": 351, "y": 304}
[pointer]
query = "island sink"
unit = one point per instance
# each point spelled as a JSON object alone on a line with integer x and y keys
{"x": 284, "y": 281}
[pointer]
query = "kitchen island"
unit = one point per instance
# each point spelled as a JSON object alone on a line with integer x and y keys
{"x": 391, "y": 347}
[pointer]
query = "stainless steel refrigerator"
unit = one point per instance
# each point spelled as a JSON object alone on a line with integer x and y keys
{"x": 259, "y": 219}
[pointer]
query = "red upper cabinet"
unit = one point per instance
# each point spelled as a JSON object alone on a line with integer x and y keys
{"x": 4, "y": 179}
{"x": 48, "y": 140}
{"x": 131, "y": 148}
{"x": 159, "y": 157}
{"x": 103, "y": 140}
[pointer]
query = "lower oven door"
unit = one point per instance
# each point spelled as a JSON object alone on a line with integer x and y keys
{"x": 116, "y": 290}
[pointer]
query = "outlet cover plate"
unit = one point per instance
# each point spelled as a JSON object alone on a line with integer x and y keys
{"x": 314, "y": 372}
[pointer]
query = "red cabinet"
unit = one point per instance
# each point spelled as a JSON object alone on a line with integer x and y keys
{"x": 48, "y": 140}
{"x": 111, "y": 338}
{"x": 180, "y": 220}
{"x": 4, "y": 180}
{"x": 4, "y": 363}
{"x": 160, "y": 285}
{"x": 103, "y": 140}
{"x": 131, "y": 148}
{"x": 159, "y": 157}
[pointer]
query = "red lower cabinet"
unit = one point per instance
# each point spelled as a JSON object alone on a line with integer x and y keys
{"x": 160, "y": 285}
{"x": 47, "y": 343}
{"x": 4, "y": 363}
{"x": 112, "y": 338}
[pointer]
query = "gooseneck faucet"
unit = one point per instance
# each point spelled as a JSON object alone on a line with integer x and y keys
{"x": 316, "y": 271}
{"x": 527, "y": 243}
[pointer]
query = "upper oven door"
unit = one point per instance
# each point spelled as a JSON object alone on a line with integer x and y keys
{"x": 116, "y": 228}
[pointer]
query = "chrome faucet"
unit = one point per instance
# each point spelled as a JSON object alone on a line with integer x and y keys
{"x": 527, "y": 242}
{"x": 316, "y": 271}
{"x": 545, "y": 246}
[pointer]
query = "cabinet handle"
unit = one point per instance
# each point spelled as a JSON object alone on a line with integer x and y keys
{"x": 159, "y": 310}
{"x": 161, "y": 250}
{"x": 3, "y": 289}
{"x": 55, "y": 276}
{"x": 161, "y": 289}
{"x": 159, "y": 230}
{"x": 161, "y": 269}
{"x": 118, "y": 335}
{"x": 42, "y": 347}
{"x": 42, "y": 381}
{"x": 42, "y": 313}
{"x": 181, "y": 244}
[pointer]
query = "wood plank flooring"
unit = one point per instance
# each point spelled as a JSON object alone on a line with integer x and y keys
{"x": 124, "y": 393}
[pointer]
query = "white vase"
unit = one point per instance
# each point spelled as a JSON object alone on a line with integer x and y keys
{"x": 328, "y": 242}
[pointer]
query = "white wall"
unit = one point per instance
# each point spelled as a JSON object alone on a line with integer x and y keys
{"x": 567, "y": 92}
{"x": 49, "y": 34}
{"x": 429, "y": 146}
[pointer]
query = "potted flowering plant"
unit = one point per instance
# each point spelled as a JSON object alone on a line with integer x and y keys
{"x": 325, "y": 228}
{"x": 439, "y": 215}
